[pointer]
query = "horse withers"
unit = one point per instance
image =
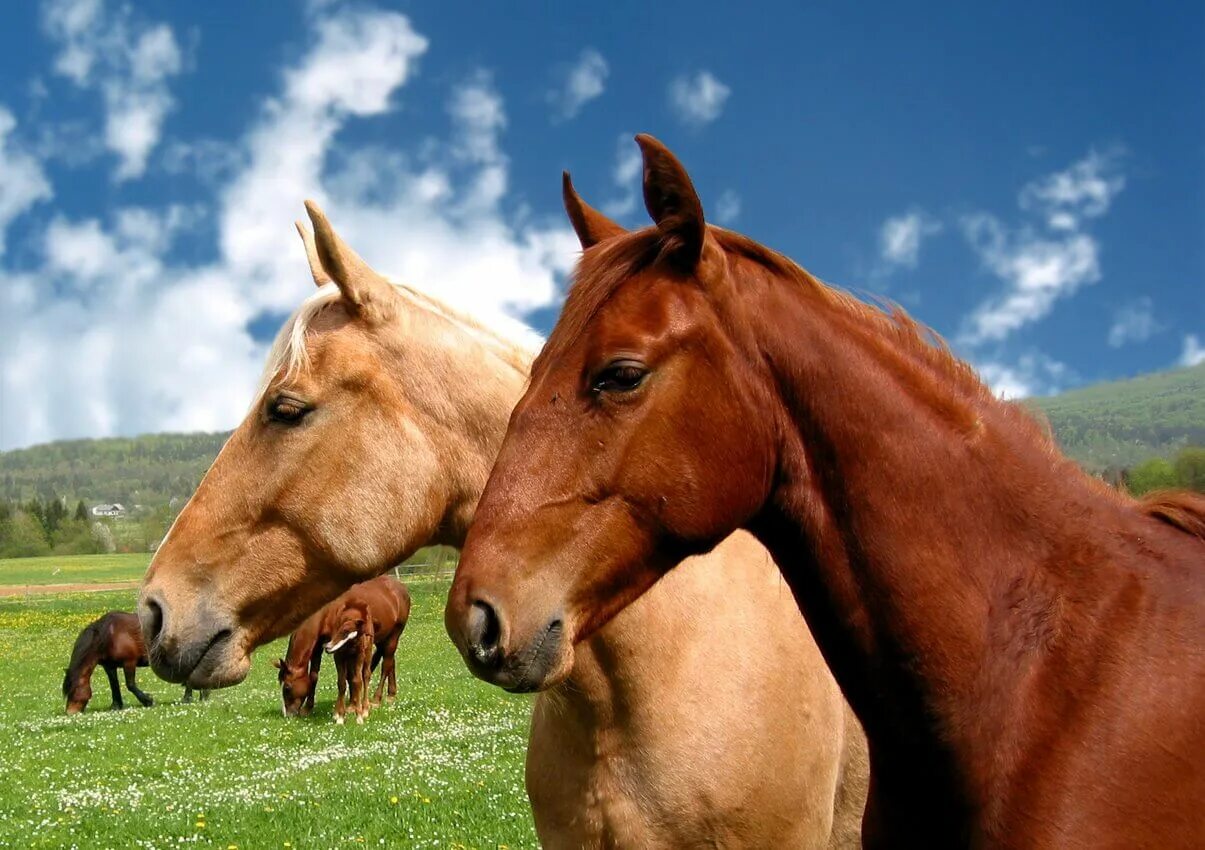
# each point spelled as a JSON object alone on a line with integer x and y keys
{"x": 1024, "y": 646}
{"x": 113, "y": 641}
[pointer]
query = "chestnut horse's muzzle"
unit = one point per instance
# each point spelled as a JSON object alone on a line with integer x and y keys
{"x": 481, "y": 634}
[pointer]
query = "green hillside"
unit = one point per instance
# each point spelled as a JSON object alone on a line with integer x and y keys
{"x": 1122, "y": 423}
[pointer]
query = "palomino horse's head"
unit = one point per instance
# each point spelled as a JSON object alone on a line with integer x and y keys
{"x": 637, "y": 405}
{"x": 339, "y": 470}
{"x": 296, "y": 684}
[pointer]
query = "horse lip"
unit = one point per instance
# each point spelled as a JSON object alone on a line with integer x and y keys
{"x": 219, "y": 638}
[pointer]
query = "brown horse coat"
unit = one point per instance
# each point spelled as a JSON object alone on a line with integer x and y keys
{"x": 369, "y": 615}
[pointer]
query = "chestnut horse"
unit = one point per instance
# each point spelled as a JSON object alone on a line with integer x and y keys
{"x": 703, "y": 715}
{"x": 113, "y": 641}
{"x": 1024, "y": 646}
{"x": 371, "y": 615}
{"x": 299, "y": 668}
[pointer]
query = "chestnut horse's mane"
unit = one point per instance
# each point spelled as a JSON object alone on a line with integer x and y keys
{"x": 86, "y": 646}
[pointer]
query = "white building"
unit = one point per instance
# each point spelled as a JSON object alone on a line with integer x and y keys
{"x": 108, "y": 510}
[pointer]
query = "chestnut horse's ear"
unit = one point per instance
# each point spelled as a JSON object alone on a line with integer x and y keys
{"x": 672, "y": 202}
{"x": 311, "y": 254}
{"x": 592, "y": 226}
{"x": 362, "y": 288}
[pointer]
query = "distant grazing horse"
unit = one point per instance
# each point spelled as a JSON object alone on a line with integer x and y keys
{"x": 113, "y": 641}
{"x": 703, "y": 715}
{"x": 1025, "y": 646}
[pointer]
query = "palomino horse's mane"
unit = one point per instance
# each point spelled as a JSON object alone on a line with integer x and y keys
{"x": 289, "y": 352}
{"x": 85, "y": 645}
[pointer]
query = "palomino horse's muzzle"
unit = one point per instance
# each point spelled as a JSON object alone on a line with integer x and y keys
{"x": 196, "y": 647}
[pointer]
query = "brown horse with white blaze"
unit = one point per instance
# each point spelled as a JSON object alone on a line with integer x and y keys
{"x": 364, "y": 625}
{"x": 1024, "y": 646}
{"x": 702, "y": 716}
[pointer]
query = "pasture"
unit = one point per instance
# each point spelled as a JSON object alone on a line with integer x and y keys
{"x": 440, "y": 767}
{"x": 73, "y": 569}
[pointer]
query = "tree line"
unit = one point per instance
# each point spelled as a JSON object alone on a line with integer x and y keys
{"x": 39, "y": 526}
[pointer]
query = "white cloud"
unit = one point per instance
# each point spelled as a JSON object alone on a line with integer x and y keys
{"x": 1134, "y": 322}
{"x": 581, "y": 83}
{"x": 1040, "y": 268}
{"x": 22, "y": 181}
{"x": 110, "y": 336}
{"x": 129, "y": 61}
{"x": 626, "y": 175}
{"x": 901, "y": 236}
{"x": 727, "y": 207}
{"x": 698, "y": 98}
{"x": 1031, "y": 374}
{"x": 1085, "y": 190}
{"x": 1193, "y": 352}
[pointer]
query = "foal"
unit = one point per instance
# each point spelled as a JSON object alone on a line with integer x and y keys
{"x": 371, "y": 615}
{"x": 1025, "y": 647}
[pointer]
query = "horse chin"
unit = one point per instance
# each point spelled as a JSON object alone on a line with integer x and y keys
{"x": 222, "y": 669}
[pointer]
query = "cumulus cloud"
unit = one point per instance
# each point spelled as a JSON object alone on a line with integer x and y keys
{"x": 127, "y": 60}
{"x": 1134, "y": 322}
{"x": 22, "y": 181}
{"x": 626, "y": 175}
{"x": 1041, "y": 264}
{"x": 901, "y": 236}
{"x": 1031, "y": 374}
{"x": 727, "y": 207}
{"x": 113, "y": 336}
{"x": 1193, "y": 352}
{"x": 698, "y": 98}
{"x": 579, "y": 83}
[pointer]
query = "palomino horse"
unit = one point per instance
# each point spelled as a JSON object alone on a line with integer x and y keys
{"x": 302, "y": 661}
{"x": 371, "y": 615}
{"x": 113, "y": 641}
{"x": 703, "y": 715}
{"x": 1025, "y": 647}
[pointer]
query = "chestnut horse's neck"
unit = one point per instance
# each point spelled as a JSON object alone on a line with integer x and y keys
{"x": 929, "y": 531}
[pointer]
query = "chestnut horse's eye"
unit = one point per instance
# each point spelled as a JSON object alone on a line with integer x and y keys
{"x": 622, "y": 376}
{"x": 287, "y": 410}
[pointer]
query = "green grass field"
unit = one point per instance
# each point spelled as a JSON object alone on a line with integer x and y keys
{"x": 440, "y": 767}
{"x": 73, "y": 569}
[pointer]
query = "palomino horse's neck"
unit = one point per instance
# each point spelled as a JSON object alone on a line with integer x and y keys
{"x": 920, "y": 522}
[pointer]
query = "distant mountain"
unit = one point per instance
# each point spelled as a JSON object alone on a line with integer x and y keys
{"x": 1122, "y": 423}
{"x": 1117, "y": 424}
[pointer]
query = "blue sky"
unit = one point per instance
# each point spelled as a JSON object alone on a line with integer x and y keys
{"x": 1029, "y": 179}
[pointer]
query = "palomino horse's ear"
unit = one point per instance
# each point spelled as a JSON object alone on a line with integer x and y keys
{"x": 672, "y": 202}
{"x": 362, "y": 288}
{"x": 592, "y": 226}
{"x": 311, "y": 254}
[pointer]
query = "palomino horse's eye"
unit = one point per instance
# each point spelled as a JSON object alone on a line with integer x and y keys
{"x": 619, "y": 377}
{"x": 287, "y": 410}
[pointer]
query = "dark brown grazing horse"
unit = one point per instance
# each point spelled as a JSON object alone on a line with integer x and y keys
{"x": 373, "y": 613}
{"x": 1024, "y": 646}
{"x": 113, "y": 641}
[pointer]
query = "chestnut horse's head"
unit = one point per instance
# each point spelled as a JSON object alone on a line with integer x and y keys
{"x": 340, "y": 470}
{"x": 642, "y": 401}
{"x": 78, "y": 691}
{"x": 297, "y": 682}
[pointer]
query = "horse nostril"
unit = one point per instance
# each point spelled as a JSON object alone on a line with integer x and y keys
{"x": 152, "y": 623}
{"x": 485, "y": 630}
